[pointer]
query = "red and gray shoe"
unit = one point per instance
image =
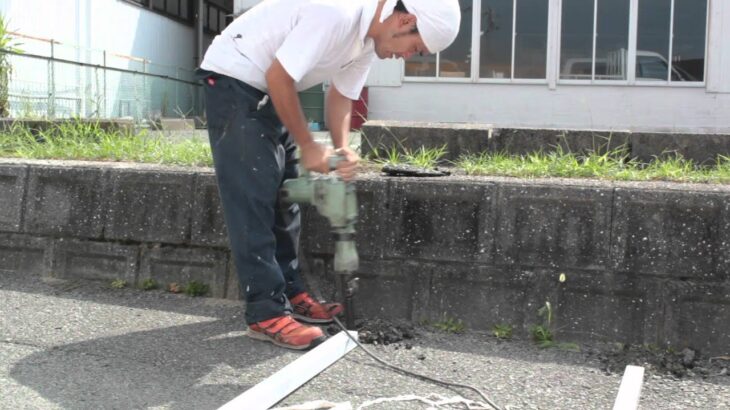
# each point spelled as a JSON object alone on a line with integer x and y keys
{"x": 309, "y": 310}
{"x": 286, "y": 332}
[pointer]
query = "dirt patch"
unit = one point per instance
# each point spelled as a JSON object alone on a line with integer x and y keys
{"x": 382, "y": 332}
{"x": 685, "y": 363}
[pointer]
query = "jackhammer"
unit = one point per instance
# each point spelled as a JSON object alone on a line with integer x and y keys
{"x": 336, "y": 200}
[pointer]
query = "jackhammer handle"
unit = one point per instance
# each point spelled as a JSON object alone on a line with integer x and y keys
{"x": 334, "y": 160}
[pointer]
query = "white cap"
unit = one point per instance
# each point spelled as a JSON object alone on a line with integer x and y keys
{"x": 437, "y": 21}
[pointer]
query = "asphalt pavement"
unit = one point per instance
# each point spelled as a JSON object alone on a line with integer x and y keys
{"x": 83, "y": 345}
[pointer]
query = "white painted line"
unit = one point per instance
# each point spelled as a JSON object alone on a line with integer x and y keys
{"x": 630, "y": 389}
{"x": 282, "y": 383}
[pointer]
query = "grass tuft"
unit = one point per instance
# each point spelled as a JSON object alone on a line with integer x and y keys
{"x": 609, "y": 165}
{"x": 196, "y": 289}
{"x": 450, "y": 325}
{"x": 79, "y": 140}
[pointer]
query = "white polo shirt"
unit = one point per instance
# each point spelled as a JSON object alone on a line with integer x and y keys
{"x": 315, "y": 41}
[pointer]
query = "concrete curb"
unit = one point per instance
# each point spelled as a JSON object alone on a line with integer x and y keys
{"x": 639, "y": 262}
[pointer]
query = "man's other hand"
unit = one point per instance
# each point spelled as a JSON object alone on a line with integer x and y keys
{"x": 347, "y": 169}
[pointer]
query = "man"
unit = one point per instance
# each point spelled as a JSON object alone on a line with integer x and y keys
{"x": 252, "y": 72}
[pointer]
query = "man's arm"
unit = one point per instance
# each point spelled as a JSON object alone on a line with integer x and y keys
{"x": 286, "y": 102}
{"x": 339, "y": 112}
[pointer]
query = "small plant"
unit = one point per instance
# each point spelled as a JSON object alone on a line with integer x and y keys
{"x": 389, "y": 156}
{"x": 119, "y": 284}
{"x": 450, "y": 325}
{"x": 8, "y": 45}
{"x": 502, "y": 331}
{"x": 425, "y": 157}
{"x": 542, "y": 334}
{"x": 149, "y": 284}
{"x": 195, "y": 288}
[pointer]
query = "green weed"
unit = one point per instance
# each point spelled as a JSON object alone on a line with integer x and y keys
{"x": 450, "y": 325}
{"x": 84, "y": 140}
{"x": 425, "y": 157}
{"x": 149, "y": 284}
{"x": 195, "y": 288}
{"x": 502, "y": 331}
{"x": 119, "y": 284}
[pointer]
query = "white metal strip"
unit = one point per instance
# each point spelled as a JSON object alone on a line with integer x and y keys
{"x": 633, "y": 41}
{"x": 514, "y": 37}
{"x": 476, "y": 39}
{"x": 553, "y": 44}
{"x": 595, "y": 34}
{"x": 282, "y": 383}
{"x": 630, "y": 389}
{"x": 670, "y": 57}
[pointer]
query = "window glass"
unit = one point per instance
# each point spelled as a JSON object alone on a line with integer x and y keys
{"x": 221, "y": 20}
{"x": 531, "y": 38}
{"x": 455, "y": 61}
{"x": 688, "y": 47}
{"x": 185, "y": 9}
{"x": 653, "y": 39}
{"x": 576, "y": 44}
{"x": 495, "y": 59}
{"x": 158, "y": 4}
{"x": 213, "y": 18}
{"x": 612, "y": 39}
{"x": 421, "y": 66}
{"x": 173, "y": 7}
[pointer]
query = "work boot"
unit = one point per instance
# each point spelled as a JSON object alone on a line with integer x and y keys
{"x": 309, "y": 310}
{"x": 286, "y": 332}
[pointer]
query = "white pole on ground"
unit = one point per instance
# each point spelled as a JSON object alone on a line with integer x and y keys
{"x": 630, "y": 389}
{"x": 282, "y": 383}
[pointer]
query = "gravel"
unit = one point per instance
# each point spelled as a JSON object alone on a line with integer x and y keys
{"x": 79, "y": 345}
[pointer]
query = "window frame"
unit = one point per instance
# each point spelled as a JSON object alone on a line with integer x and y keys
{"x": 554, "y": 50}
{"x": 631, "y": 59}
{"x": 190, "y": 21}
{"x": 475, "y": 77}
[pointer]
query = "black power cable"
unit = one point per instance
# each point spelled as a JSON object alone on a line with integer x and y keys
{"x": 413, "y": 374}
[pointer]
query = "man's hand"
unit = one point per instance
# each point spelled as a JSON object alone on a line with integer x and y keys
{"x": 347, "y": 169}
{"x": 315, "y": 157}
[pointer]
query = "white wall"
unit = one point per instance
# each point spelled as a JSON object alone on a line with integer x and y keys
{"x": 112, "y": 25}
{"x": 568, "y": 106}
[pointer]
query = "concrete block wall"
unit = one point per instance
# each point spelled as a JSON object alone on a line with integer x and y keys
{"x": 642, "y": 262}
{"x": 462, "y": 139}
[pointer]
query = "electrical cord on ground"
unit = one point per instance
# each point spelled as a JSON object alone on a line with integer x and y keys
{"x": 413, "y": 374}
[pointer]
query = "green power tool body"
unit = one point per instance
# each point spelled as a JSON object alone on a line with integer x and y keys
{"x": 336, "y": 200}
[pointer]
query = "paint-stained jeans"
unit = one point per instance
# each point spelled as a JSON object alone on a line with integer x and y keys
{"x": 253, "y": 153}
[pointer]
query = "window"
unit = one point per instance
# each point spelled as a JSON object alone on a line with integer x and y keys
{"x": 594, "y": 40}
{"x": 512, "y": 43}
{"x": 604, "y": 41}
{"x": 671, "y": 40}
{"x": 215, "y": 18}
{"x": 495, "y": 59}
{"x": 455, "y": 61}
{"x": 513, "y": 39}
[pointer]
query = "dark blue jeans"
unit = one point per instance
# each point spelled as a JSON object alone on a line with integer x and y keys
{"x": 253, "y": 154}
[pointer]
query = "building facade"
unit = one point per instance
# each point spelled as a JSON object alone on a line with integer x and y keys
{"x": 110, "y": 58}
{"x": 637, "y": 65}
{"x": 658, "y": 65}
